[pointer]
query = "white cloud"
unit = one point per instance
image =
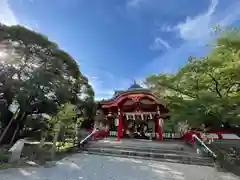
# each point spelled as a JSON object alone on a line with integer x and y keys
{"x": 160, "y": 44}
{"x": 94, "y": 77}
{"x": 196, "y": 31}
{"x": 8, "y": 17}
{"x": 100, "y": 90}
{"x": 134, "y": 3}
{"x": 199, "y": 26}
{"x": 231, "y": 14}
{"x": 6, "y": 14}
{"x": 105, "y": 83}
{"x": 98, "y": 84}
{"x": 165, "y": 28}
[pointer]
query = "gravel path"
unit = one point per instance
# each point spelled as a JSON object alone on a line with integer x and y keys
{"x": 93, "y": 167}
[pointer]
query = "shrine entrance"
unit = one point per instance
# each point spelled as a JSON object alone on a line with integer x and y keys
{"x": 136, "y": 129}
{"x": 139, "y": 125}
{"x": 134, "y": 113}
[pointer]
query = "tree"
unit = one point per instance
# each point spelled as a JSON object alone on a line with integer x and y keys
{"x": 64, "y": 118}
{"x": 36, "y": 74}
{"x": 206, "y": 89}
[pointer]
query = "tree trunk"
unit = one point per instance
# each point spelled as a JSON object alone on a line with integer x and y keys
{"x": 77, "y": 134}
{"x": 57, "y": 131}
{"x": 14, "y": 135}
{"x": 9, "y": 124}
{"x": 18, "y": 121}
{"x": 43, "y": 137}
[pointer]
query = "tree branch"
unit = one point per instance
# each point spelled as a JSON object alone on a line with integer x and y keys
{"x": 216, "y": 85}
{"x": 197, "y": 87}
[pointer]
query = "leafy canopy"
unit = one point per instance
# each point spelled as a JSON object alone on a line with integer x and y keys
{"x": 207, "y": 89}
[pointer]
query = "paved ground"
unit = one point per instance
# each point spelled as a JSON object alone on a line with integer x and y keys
{"x": 93, "y": 167}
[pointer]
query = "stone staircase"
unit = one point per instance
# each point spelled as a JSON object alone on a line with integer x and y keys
{"x": 167, "y": 151}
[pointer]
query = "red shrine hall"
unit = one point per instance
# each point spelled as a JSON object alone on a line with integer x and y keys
{"x": 132, "y": 113}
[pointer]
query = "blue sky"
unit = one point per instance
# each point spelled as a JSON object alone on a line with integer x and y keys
{"x": 116, "y": 41}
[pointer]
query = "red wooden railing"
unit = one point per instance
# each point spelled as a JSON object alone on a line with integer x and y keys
{"x": 101, "y": 133}
{"x": 209, "y": 136}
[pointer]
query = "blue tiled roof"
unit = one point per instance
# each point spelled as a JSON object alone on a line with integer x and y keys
{"x": 133, "y": 88}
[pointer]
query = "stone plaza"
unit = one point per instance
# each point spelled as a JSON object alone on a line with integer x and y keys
{"x": 93, "y": 167}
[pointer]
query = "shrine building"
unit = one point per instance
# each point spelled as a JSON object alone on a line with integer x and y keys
{"x": 133, "y": 113}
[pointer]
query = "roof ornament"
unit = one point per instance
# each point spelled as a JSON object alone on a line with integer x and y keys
{"x": 134, "y": 82}
{"x": 135, "y": 85}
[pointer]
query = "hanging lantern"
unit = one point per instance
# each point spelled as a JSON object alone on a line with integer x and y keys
{"x": 109, "y": 114}
{"x": 151, "y": 116}
{"x": 160, "y": 121}
{"x": 98, "y": 112}
{"x": 116, "y": 122}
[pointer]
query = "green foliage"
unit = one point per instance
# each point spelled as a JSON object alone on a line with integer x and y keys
{"x": 38, "y": 76}
{"x": 4, "y": 157}
{"x": 65, "y": 115}
{"x": 206, "y": 90}
{"x": 168, "y": 126}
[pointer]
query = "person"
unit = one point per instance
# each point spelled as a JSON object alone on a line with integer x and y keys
{"x": 135, "y": 132}
{"x": 145, "y": 129}
{"x": 151, "y": 128}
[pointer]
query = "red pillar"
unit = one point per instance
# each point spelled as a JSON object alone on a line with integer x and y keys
{"x": 160, "y": 130}
{"x": 159, "y": 125}
{"x": 119, "y": 133}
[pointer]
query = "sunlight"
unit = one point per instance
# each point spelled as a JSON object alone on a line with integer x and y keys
{"x": 31, "y": 163}
{"x": 70, "y": 165}
{"x": 161, "y": 174}
{"x": 158, "y": 171}
{"x": 74, "y": 166}
{"x": 106, "y": 141}
{"x": 229, "y": 177}
{"x": 24, "y": 172}
{"x": 178, "y": 177}
{"x": 125, "y": 160}
{"x": 159, "y": 166}
{"x": 164, "y": 170}
{"x": 119, "y": 90}
{"x": 2, "y": 54}
{"x": 5, "y": 50}
{"x": 177, "y": 173}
